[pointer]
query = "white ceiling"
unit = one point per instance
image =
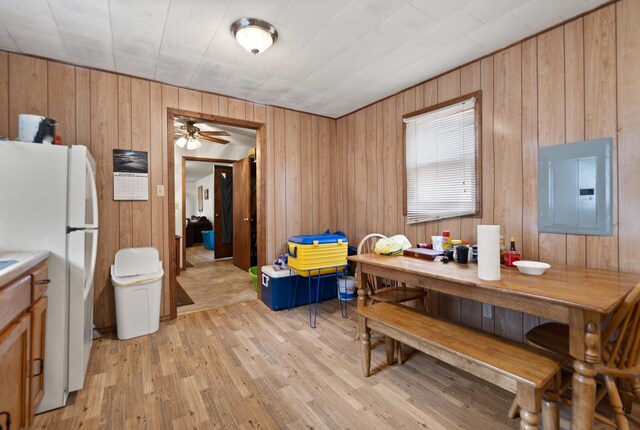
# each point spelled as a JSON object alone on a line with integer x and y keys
{"x": 331, "y": 58}
{"x": 196, "y": 170}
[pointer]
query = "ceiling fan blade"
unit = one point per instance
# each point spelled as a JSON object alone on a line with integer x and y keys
{"x": 215, "y": 133}
{"x": 213, "y": 139}
{"x": 179, "y": 131}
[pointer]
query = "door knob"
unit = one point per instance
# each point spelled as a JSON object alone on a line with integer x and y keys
{"x": 217, "y": 215}
{"x": 245, "y": 219}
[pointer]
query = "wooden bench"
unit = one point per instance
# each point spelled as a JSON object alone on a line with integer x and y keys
{"x": 518, "y": 368}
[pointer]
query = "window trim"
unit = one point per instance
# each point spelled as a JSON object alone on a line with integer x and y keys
{"x": 478, "y": 126}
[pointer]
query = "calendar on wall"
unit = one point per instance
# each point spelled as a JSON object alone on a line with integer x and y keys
{"x": 130, "y": 175}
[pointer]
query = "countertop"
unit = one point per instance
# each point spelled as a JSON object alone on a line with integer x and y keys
{"x": 24, "y": 261}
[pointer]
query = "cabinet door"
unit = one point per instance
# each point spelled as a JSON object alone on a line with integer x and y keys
{"x": 38, "y": 323}
{"x": 14, "y": 363}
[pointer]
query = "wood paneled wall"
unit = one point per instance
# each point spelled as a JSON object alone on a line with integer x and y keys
{"x": 104, "y": 111}
{"x": 578, "y": 81}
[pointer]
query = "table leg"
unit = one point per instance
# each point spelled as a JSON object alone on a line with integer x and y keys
{"x": 389, "y": 344}
{"x": 584, "y": 385}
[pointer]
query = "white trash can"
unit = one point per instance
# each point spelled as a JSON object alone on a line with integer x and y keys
{"x": 136, "y": 276}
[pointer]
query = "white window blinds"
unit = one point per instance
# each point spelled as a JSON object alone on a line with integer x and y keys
{"x": 441, "y": 162}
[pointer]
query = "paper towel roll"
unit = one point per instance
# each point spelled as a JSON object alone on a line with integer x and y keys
{"x": 489, "y": 252}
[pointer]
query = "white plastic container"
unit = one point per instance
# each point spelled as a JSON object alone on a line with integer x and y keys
{"x": 347, "y": 288}
{"x": 137, "y": 280}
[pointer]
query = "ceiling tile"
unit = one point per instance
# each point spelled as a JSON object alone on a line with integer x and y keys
{"x": 135, "y": 66}
{"x": 264, "y": 10}
{"x": 487, "y": 11}
{"x": 439, "y": 9}
{"x": 541, "y": 14}
{"x": 373, "y": 45}
{"x": 33, "y": 33}
{"x": 138, "y": 26}
{"x": 412, "y": 50}
{"x": 87, "y": 51}
{"x": 6, "y": 41}
{"x": 306, "y": 61}
{"x": 79, "y": 17}
{"x": 240, "y": 82}
{"x": 453, "y": 27}
{"x": 356, "y": 20}
{"x": 408, "y": 22}
{"x": 203, "y": 79}
{"x": 86, "y": 31}
{"x": 307, "y": 16}
{"x": 174, "y": 71}
{"x": 511, "y": 30}
{"x": 344, "y": 65}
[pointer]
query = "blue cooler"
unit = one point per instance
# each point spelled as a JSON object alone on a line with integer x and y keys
{"x": 275, "y": 285}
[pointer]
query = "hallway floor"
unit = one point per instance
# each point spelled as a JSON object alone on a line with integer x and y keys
{"x": 213, "y": 283}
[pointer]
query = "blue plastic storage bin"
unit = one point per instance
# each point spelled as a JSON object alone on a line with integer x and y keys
{"x": 207, "y": 239}
{"x": 275, "y": 288}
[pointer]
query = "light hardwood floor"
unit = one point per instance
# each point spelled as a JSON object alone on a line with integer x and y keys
{"x": 212, "y": 283}
{"x": 245, "y": 366}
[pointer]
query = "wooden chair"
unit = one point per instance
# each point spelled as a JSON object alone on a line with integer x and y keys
{"x": 385, "y": 290}
{"x": 620, "y": 354}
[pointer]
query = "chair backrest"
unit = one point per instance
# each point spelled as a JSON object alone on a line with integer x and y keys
{"x": 366, "y": 246}
{"x": 621, "y": 338}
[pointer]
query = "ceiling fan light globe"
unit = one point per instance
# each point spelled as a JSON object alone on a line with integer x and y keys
{"x": 193, "y": 144}
{"x": 181, "y": 142}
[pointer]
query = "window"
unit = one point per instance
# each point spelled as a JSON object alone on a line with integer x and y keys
{"x": 442, "y": 154}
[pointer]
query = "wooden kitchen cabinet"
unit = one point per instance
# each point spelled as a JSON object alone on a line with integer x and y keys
{"x": 38, "y": 323}
{"x": 14, "y": 370}
{"x": 23, "y": 311}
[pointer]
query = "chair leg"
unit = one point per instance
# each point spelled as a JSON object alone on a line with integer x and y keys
{"x": 616, "y": 403}
{"x": 635, "y": 383}
{"x": 528, "y": 420}
{"x": 514, "y": 409}
{"x": 398, "y": 345}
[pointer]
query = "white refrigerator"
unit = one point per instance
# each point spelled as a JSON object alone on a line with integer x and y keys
{"x": 48, "y": 201}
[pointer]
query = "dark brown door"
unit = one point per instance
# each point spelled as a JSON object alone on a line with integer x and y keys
{"x": 242, "y": 213}
{"x": 222, "y": 174}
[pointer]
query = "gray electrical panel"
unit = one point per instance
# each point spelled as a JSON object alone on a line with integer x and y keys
{"x": 575, "y": 188}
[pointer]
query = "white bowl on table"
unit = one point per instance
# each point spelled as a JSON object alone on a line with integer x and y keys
{"x": 531, "y": 267}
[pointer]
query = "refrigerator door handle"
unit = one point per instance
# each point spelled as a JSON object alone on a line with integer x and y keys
{"x": 92, "y": 266}
{"x": 94, "y": 195}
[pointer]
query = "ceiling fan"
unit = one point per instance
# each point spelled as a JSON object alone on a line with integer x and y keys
{"x": 190, "y": 135}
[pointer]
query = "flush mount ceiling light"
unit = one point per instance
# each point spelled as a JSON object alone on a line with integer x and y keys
{"x": 254, "y": 35}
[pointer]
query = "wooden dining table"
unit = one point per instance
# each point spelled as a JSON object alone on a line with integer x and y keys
{"x": 579, "y": 297}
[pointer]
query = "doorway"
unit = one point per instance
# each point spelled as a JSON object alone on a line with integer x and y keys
{"x": 179, "y": 218}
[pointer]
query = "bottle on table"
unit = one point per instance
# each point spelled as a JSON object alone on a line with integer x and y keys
{"x": 446, "y": 239}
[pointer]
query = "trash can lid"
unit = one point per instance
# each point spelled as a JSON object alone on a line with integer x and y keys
{"x": 126, "y": 281}
{"x": 136, "y": 261}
